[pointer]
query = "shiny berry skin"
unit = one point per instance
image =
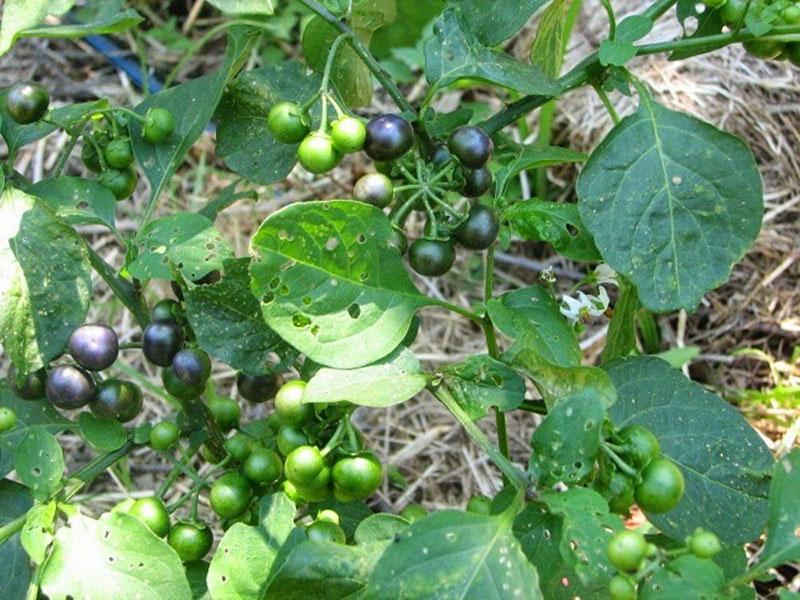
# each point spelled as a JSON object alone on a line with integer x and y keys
{"x": 120, "y": 182}
{"x": 116, "y": 399}
{"x": 388, "y": 137}
{"x": 90, "y": 158}
{"x": 303, "y": 465}
{"x": 177, "y": 388}
{"x": 480, "y": 229}
{"x": 226, "y": 412}
{"x": 348, "y": 134}
{"x": 431, "y": 258}
{"x": 230, "y": 495}
{"x": 414, "y": 512}
{"x": 317, "y": 154}
{"x": 643, "y": 445}
{"x": 374, "y": 188}
{"x": 239, "y": 446}
{"x": 325, "y": 531}
{"x": 27, "y": 102}
{"x": 152, "y": 512}
{"x": 163, "y": 435}
{"x": 94, "y": 347}
{"x": 262, "y": 466}
{"x": 471, "y": 146}
{"x": 161, "y": 341}
{"x": 441, "y": 156}
{"x": 167, "y": 310}
{"x": 31, "y": 387}
{"x": 733, "y": 11}
{"x": 476, "y": 182}
{"x": 289, "y": 403}
{"x": 359, "y": 476}
{"x": 191, "y": 366}
{"x": 159, "y": 123}
{"x": 119, "y": 154}
{"x": 190, "y": 541}
{"x": 288, "y": 123}
{"x": 69, "y": 387}
{"x": 626, "y": 549}
{"x": 8, "y": 419}
{"x": 661, "y": 488}
{"x": 620, "y": 588}
{"x": 257, "y": 388}
{"x": 480, "y": 505}
{"x": 290, "y": 438}
{"x": 704, "y": 544}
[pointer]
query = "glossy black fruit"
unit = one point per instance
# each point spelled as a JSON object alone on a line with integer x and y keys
{"x": 388, "y": 137}
{"x": 27, "y": 102}
{"x": 440, "y": 156}
{"x": 257, "y": 388}
{"x": 116, "y": 399}
{"x": 191, "y": 366}
{"x": 69, "y": 387}
{"x": 471, "y": 146}
{"x": 476, "y": 182}
{"x": 95, "y": 347}
{"x": 167, "y": 310}
{"x": 480, "y": 229}
{"x": 431, "y": 258}
{"x": 30, "y": 387}
{"x": 374, "y": 188}
{"x": 177, "y": 388}
{"x": 161, "y": 341}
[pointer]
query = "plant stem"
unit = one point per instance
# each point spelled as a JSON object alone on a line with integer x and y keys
{"x": 64, "y": 156}
{"x": 534, "y": 406}
{"x": 12, "y": 527}
{"x": 464, "y": 312}
{"x": 122, "y": 289}
{"x": 612, "y": 20}
{"x": 621, "y": 464}
{"x": 326, "y": 77}
{"x": 607, "y": 103}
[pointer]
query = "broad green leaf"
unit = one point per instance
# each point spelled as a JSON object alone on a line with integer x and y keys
{"x": 30, "y": 414}
{"x": 115, "y": 558}
{"x": 351, "y": 514}
{"x": 15, "y": 572}
{"x": 226, "y": 319}
{"x": 531, "y": 157}
{"x": 621, "y": 339}
{"x": 102, "y": 433}
{"x": 116, "y": 23}
{"x": 39, "y": 461}
{"x": 559, "y": 225}
{"x": 330, "y": 284}
{"x": 533, "y": 313}
{"x": 455, "y": 53}
{"x": 450, "y": 554}
{"x": 440, "y": 125}
{"x": 37, "y": 535}
{"x": 723, "y": 460}
{"x": 243, "y": 138}
{"x": 406, "y": 30}
{"x": 243, "y": 564}
{"x": 621, "y": 50}
{"x": 380, "y": 527}
{"x": 493, "y": 21}
{"x": 783, "y": 543}
{"x": 196, "y": 573}
{"x": 245, "y": 7}
{"x": 481, "y": 382}
{"x": 672, "y": 203}
{"x": 678, "y": 357}
{"x": 19, "y": 15}
{"x": 552, "y": 34}
{"x": 389, "y": 381}
{"x": 186, "y": 240}
{"x": 684, "y": 577}
{"x": 45, "y": 281}
{"x": 78, "y": 201}
{"x": 564, "y": 446}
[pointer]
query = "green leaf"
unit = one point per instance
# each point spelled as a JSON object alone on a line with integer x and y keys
{"x": 39, "y": 461}
{"x": 30, "y": 414}
{"x": 684, "y": 577}
{"x": 534, "y": 156}
{"x": 633, "y": 28}
{"x": 227, "y": 320}
{"x": 783, "y": 543}
{"x": 45, "y": 281}
{"x": 621, "y": 339}
{"x": 454, "y": 53}
{"x": 116, "y": 558}
{"x": 243, "y": 138}
{"x": 351, "y": 514}
{"x": 616, "y": 53}
{"x": 196, "y": 573}
{"x": 533, "y": 313}
{"x": 116, "y": 23}
{"x": 722, "y": 458}
{"x": 481, "y": 382}
{"x": 493, "y": 21}
{"x": 450, "y": 554}
{"x": 672, "y": 203}
{"x": 380, "y": 527}
{"x": 245, "y": 7}
{"x": 187, "y": 240}
{"x": 560, "y": 225}
{"x": 389, "y": 381}
{"x": 37, "y": 535}
{"x": 245, "y": 560}
{"x": 566, "y": 443}
{"x": 19, "y": 15}
{"x": 78, "y": 201}
{"x": 552, "y": 34}
{"x": 104, "y": 434}
{"x": 15, "y": 572}
{"x": 330, "y": 284}
{"x": 406, "y": 30}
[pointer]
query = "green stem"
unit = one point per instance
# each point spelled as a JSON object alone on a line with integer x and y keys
{"x": 184, "y": 468}
{"x": 621, "y": 464}
{"x": 64, "y": 156}
{"x": 122, "y": 289}
{"x": 491, "y": 346}
{"x": 464, "y": 312}
{"x": 326, "y": 77}
{"x": 534, "y": 406}
{"x": 612, "y": 20}
{"x": 12, "y": 527}
{"x": 607, "y": 103}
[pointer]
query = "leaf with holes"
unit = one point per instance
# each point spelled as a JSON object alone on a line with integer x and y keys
{"x": 188, "y": 241}
{"x": 78, "y": 201}
{"x": 39, "y": 461}
{"x": 560, "y": 225}
{"x": 331, "y": 284}
{"x": 672, "y": 203}
{"x": 380, "y": 527}
{"x": 481, "y": 382}
{"x": 724, "y": 461}
{"x": 685, "y": 577}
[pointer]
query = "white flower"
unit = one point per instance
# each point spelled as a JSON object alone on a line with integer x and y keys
{"x": 605, "y": 274}
{"x": 585, "y": 306}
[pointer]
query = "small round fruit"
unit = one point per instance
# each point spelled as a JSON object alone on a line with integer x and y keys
{"x": 257, "y": 388}
{"x": 90, "y": 158}
{"x": 289, "y": 439}
{"x": 476, "y": 182}
{"x": 440, "y": 156}
{"x": 263, "y": 466}
{"x": 177, "y": 388}
{"x": 388, "y": 137}
{"x": 287, "y": 122}
{"x": 230, "y": 495}
{"x": 289, "y": 403}
{"x": 317, "y": 154}
{"x": 348, "y": 134}
{"x": 325, "y": 531}
{"x": 359, "y": 476}
{"x": 414, "y": 512}
{"x": 329, "y": 515}
{"x": 764, "y": 49}
{"x": 226, "y": 412}
{"x": 8, "y": 419}
{"x": 94, "y": 347}
{"x": 643, "y": 445}
{"x": 626, "y": 549}
{"x": 274, "y": 422}
{"x": 27, "y": 102}
{"x": 733, "y": 11}
{"x": 31, "y": 387}
{"x": 158, "y": 125}
{"x": 119, "y": 154}
{"x": 161, "y": 341}
{"x": 120, "y": 182}
{"x": 374, "y": 188}
{"x": 480, "y": 229}
{"x": 618, "y": 491}
{"x": 704, "y": 544}
{"x": 239, "y": 446}
{"x": 791, "y": 14}
{"x": 661, "y": 488}
{"x": 190, "y": 541}
{"x": 152, "y": 512}
{"x": 163, "y": 435}
{"x": 191, "y": 366}
{"x": 431, "y": 258}
{"x": 167, "y": 309}
{"x": 620, "y": 588}
{"x": 471, "y": 146}
{"x": 116, "y": 399}
{"x": 303, "y": 465}
{"x": 69, "y": 387}
{"x": 124, "y": 506}
{"x": 479, "y": 504}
